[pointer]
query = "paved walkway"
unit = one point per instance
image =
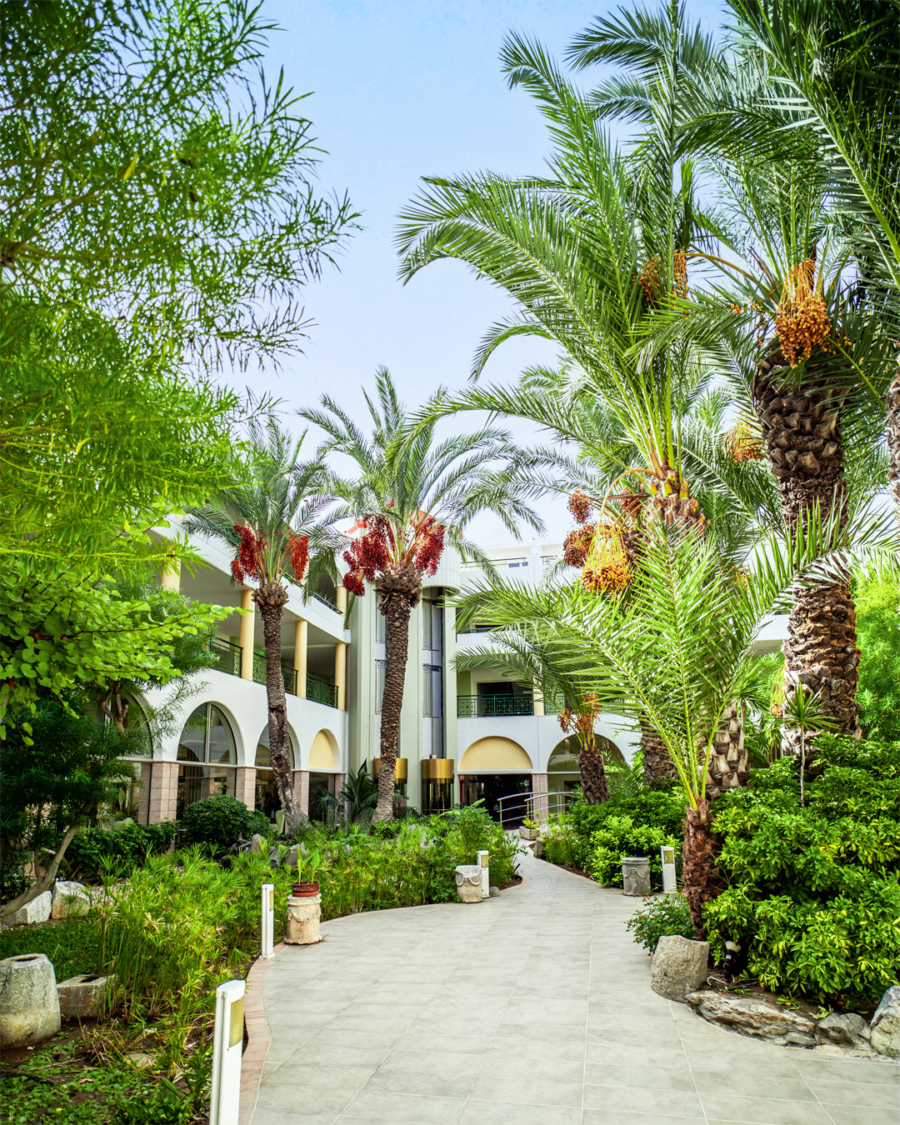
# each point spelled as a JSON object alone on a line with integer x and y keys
{"x": 530, "y": 1009}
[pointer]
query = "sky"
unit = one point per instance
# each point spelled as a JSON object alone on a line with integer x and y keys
{"x": 402, "y": 89}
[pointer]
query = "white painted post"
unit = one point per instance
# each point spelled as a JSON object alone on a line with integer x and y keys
{"x": 228, "y": 1045}
{"x": 268, "y": 920}
{"x": 484, "y": 859}
{"x": 668, "y": 865}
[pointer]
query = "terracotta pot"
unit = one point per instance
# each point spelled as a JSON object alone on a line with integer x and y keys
{"x": 304, "y": 890}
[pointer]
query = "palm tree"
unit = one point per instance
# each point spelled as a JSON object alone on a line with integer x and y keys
{"x": 274, "y": 523}
{"x": 411, "y": 498}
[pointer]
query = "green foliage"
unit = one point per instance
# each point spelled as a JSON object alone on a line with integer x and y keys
{"x": 73, "y": 946}
{"x": 96, "y": 851}
{"x": 623, "y": 836}
{"x": 661, "y": 808}
{"x": 661, "y": 917}
{"x": 56, "y": 634}
{"x": 561, "y": 844}
{"x": 814, "y": 893}
{"x": 13, "y": 880}
{"x": 216, "y": 822}
{"x": 878, "y": 636}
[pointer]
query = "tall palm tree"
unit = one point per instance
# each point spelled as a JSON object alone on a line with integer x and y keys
{"x": 274, "y": 522}
{"x": 412, "y": 498}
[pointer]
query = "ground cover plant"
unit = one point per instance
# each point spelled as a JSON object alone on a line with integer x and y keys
{"x": 813, "y": 893}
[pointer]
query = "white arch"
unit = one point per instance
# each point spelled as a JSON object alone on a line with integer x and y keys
{"x": 293, "y": 744}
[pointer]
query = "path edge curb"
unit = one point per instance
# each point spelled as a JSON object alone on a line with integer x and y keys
{"x": 259, "y": 1038}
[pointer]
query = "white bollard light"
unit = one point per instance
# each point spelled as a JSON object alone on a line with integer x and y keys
{"x": 484, "y": 859}
{"x": 668, "y": 865}
{"x": 268, "y": 920}
{"x": 228, "y": 1046}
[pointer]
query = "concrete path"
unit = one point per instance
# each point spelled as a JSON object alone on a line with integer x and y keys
{"x": 530, "y": 1009}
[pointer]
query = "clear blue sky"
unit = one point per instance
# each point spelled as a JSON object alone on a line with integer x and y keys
{"x": 402, "y": 89}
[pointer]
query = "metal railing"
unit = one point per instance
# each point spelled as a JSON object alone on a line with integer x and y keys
{"x": 515, "y": 807}
{"x": 321, "y": 691}
{"x": 493, "y": 706}
{"x": 326, "y": 601}
{"x": 288, "y": 672}
{"x": 227, "y": 654}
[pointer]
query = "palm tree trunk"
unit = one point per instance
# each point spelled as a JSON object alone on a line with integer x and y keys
{"x": 893, "y": 439}
{"x": 657, "y": 762}
{"x": 729, "y": 763}
{"x": 271, "y": 599}
{"x": 400, "y": 590}
{"x": 701, "y": 879}
{"x": 805, "y": 448}
{"x": 593, "y": 774}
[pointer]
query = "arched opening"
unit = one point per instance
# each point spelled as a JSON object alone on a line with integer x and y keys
{"x": 207, "y": 757}
{"x": 563, "y": 774}
{"x": 324, "y": 763}
{"x": 496, "y": 771}
{"x": 266, "y": 795}
{"x": 131, "y": 800}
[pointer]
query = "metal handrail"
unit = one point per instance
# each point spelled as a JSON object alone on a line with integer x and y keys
{"x": 227, "y": 654}
{"x": 326, "y": 601}
{"x": 493, "y": 706}
{"x": 534, "y": 806}
{"x": 321, "y": 691}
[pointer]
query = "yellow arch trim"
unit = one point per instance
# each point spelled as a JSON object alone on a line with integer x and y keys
{"x": 490, "y": 755}
{"x": 322, "y": 753}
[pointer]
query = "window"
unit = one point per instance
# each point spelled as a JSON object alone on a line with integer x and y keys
{"x": 433, "y": 705}
{"x": 379, "y": 685}
{"x": 432, "y": 626}
{"x": 426, "y": 623}
{"x": 380, "y": 623}
{"x": 206, "y": 757}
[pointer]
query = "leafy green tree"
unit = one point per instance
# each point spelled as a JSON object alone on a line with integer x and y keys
{"x": 273, "y": 521}
{"x": 57, "y": 780}
{"x": 158, "y": 222}
{"x": 878, "y": 603}
{"x": 410, "y": 498}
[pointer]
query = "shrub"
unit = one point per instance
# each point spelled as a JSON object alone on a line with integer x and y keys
{"x": 813, "y": 894}
{"x": 624, "y": 835}
{"x": 13, "y": 881}
{"x": 562, "y": 844}
{"x": 661, "y": 917}
{"x": 658, "y": 808}
{"x": 97, "y": 850}
{"x": 218, "y": 821}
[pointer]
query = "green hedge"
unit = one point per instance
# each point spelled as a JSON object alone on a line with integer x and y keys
{"x": 217, "y": 822}
{"x": 814, "y": 893}
{"x": 95, "y": 851}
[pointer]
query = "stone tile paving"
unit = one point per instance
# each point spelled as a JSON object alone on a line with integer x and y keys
{"x": 530, "y": 1009}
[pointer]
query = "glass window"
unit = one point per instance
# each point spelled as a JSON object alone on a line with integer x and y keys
{"x": 379, "y": 685}
{"x": 380, "y": 623}
{"x": 433, "y": 691}
{"x": 221, "y": 740}
{"x": 207, "y": 737}
{"x": 264, "y": 757}
{"x": 426, "y": 623}
{"x": 192, "y": 744}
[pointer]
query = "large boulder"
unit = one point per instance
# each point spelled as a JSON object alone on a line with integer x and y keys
{"x": 256, "y": 843}
{"x": 29, "y": 1004}
{"x": 34, "y": 912}
{"x": 679, "y": 966}
{"x": 68, "y": 898}
{"x": 756, "y": 1018}
{"x": 886, "y": 1024}
{"x": 850, "y": 1032}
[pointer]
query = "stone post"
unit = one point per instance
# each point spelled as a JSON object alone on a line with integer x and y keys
{"x": 301, "y": 789}
{"x": 145, "y": 780}
{"x": 163, "y": 792}
{"x": 245, "y": 785}
{"x": 540, "y": 785}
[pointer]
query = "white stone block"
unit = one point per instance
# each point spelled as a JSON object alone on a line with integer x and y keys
{"x": 34, "y": 912}
{"x": 68, "y": 899}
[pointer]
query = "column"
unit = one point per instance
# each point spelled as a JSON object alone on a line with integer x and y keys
{"x": 170, "y": 578}
{"x": 248, "y": 622}
{"x": 340, "y": 674}
{"x": 301, "y": 789}
{"x": 540, "y": 785}
{"x": 340, "y": 598}
{"x": 144, "y": 781}
{"x": 538, "y": 697}
{"x": 301, "y": 639}
{"x": 245, "y": 785}
{"x": 163, "y": 792}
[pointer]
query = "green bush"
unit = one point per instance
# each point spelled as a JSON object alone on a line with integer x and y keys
{"x": 661, "y": 917}
{"x": 13, "y": 881}
{"x": 218, "y": 821}
{"x": 561, "y": 844}
{"x": 96, "y": 850}
{"x": 813, "y": 893}
{"x": 657, "y": 808}
{"x": 73, "y": 947}
{"x": 625, "y": 835}
{"x": 878, "y": 633}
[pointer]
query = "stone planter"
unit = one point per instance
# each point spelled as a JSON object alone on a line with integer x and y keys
{"x": 636, "y": 875}
{"x": 528, "y": 833}
{"x": 468, "y": 883}
{"x": 80, "y": 998}
{"x": 301, "y": 926}
{"x": 29, "y": 1004}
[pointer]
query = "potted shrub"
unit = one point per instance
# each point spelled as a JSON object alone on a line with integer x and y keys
{"x": 529, "y": 829}
{"x": 307, "y": 886}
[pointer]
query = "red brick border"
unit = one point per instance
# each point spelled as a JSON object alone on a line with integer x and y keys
{"x": 258, "y": 1039}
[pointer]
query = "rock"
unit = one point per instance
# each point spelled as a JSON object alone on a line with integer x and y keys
{"x": 139, "y": 1059}
{"x": 256, "y": 843}
{"x": 68, "y": 898}
{"x": 29, "y": 1005}
{"x": 679, "y": 966}
{"x": 886, "y": 1024}
{"x": 468, "y": 882}
{"x": 34, "y": 912}
{"x": 849, "y": 1030}
{"x": 756, "y": 1018}
{"x": 636, "y": 875}
{"x": 290, "y": 856}
{"x": 495, "y": 892}
{"x": 80, "y": 997}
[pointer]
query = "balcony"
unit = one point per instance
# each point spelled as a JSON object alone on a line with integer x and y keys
{"x": 321, "y": 691}
{"x": 228, "y": 660}
{"x": 493, "y": 706}
{"x": 227, "y": 655}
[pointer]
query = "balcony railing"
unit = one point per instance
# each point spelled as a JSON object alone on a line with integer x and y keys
{"x": 493, "y": 706}
{"x": 321, "y": 691}
{"x": 323, "y": 599}
{"x": 228, "y": 655}
{"x": 288, "y": 672}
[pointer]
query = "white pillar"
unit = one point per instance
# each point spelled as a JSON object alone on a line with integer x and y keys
{"x": 668, "y": 870}
{"x": 484, "y": 861}
{"x": 268, "y": 920}
{"x": 228, "y": 1046}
